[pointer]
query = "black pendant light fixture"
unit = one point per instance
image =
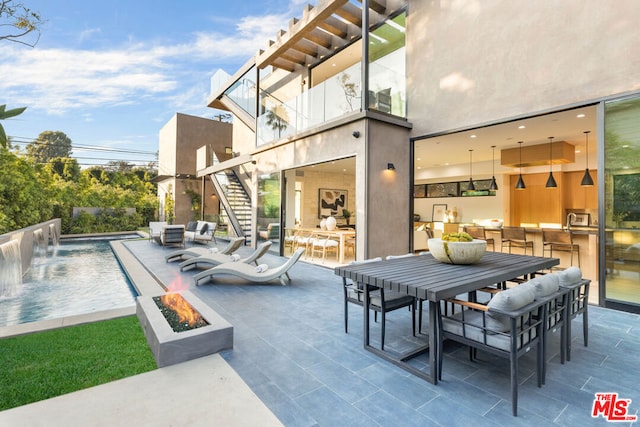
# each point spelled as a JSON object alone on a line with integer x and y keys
{"x": 470, "y": 187}
{"x": 520, "y": 184}
{"x": 551, "y": 182}
{"x": 494, "y": 185}
{"x": 587, "y": 181}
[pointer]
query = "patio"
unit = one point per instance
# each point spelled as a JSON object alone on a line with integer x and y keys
{"x": 291, "y": 350}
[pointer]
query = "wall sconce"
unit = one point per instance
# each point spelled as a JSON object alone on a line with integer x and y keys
{"x": 587, "y": 181}
{"x": 391, "y": 167}
{"x": 356, "y": 134}
{"x": 551, "y": 181}
{"x": 520, "y": 184}
{"x": 228, "y": 150}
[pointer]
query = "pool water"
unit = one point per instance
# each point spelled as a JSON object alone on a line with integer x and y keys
{"x": 75, "y": 277}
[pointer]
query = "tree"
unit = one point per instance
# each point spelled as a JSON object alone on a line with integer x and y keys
{"x": 49, "y": 145}
{"x": 5, "y": 114}
{"x": 23, "y": 194}
{"x": 18, "y": 22}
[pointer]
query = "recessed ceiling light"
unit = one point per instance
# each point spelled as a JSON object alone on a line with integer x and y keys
{"x": 521, "y": 127}
{"x": 473, "y": 136}
{"x": 581, "y": 115}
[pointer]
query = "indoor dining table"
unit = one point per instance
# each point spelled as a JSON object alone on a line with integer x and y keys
{"x": 424, "y": 277}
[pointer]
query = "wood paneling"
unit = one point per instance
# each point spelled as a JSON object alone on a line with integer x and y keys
{"x": 537, "y": 204}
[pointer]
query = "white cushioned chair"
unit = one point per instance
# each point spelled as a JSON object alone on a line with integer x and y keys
{"x": 204, "y": 232}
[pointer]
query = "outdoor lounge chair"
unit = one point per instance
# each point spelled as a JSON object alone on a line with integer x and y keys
{"x": 172, "y": 235}
{"x": 155, "y": 230}
{"x": 259, "y": 274}
{"x": 187, "y": 253}
{"x": 216, "y": 258}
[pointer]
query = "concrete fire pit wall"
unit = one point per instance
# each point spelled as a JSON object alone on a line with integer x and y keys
{"x": 169, "y": 347}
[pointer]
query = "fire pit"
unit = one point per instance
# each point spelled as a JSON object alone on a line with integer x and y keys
{"x": 180, "y": 327}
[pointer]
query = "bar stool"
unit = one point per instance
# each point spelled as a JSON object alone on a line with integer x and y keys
{"x": 478, "y": 232}
{"x": 559, "y": 241}
{"x": 516, "y": 237}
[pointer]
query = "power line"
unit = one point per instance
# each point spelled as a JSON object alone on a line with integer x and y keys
{"x": 27, "y": 141}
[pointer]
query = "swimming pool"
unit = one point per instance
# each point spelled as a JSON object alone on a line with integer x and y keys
{"x": 78, "y": 276}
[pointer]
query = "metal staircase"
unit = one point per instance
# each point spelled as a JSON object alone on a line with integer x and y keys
{"x": 235, "y": 201}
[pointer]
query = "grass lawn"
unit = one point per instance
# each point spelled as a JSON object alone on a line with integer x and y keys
{"x": 47, "y": 364}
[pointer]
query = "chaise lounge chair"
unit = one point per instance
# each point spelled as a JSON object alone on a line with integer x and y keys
{"x": 183, "y": 254}
{"x": 259, "y": 274}
{"x": 216, "y": 258}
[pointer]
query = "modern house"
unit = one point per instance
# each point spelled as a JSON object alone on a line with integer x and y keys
{"x": 388, "y": 108}
{"x": 179, "y": 141}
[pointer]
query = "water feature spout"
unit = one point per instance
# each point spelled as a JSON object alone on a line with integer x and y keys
{"x": 39, "y": 243}
{"x": 53, "y": 235}
{"x": 10, "y": 268}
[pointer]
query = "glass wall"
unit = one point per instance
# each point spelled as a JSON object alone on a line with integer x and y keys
{"x": 268, "y": 221}
{"x": 243, "y": 92}
{"x": 337, "y": 86}
{"x": 387, "y": 67}
{"x": 622, "y": 201}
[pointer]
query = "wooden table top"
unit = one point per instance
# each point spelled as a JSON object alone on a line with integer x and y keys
{"x": 426, "y": 278}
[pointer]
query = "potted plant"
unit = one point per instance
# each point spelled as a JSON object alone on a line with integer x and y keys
{"x": 346, "y": 214}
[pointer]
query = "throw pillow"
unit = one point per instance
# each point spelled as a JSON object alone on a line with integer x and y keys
{"x": 191, "y": 226}
{"x": 509, "y": 300}
{"x": 204, "y": 229}
{"x": 570, "y": 276}
{"x": 543, "y": 285}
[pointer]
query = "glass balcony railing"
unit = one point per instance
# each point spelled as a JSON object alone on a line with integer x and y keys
{"x": 332, "y": 98}
{"x": 243, "y": 92}
{"x": 335, "y": 97}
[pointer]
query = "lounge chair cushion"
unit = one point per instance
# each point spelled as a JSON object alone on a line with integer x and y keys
{"x": 510, "y": 300}
{"x": 570, "y": 276}
{"x": 543, "y": 285}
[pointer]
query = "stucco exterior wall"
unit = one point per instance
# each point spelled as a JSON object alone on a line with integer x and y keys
{"x": 387, "y": 191}
{"x": 179, "y": 140}
{"x": 472, "y": 62}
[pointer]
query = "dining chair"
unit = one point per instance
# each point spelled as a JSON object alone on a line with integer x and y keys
{"x": 560, "y": 241}
{"x": 516, "y": 237}
{"x": 509, "y": 326}
{"x": 323, "y": 244}
{"x": 380, "y": 301}
{"x": 478, "y": 232}
{"x": 577, "y": 303}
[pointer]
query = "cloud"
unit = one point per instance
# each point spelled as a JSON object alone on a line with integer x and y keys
{"x": 62, "y": 80}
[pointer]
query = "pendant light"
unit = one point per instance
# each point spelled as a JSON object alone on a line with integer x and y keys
{"x": 494, "y": 184}
{"x": 520, "y": 184}
{"x": 470, "y": 187}
{"x": 551, "y": 182}
{"x": 587, "y": 181}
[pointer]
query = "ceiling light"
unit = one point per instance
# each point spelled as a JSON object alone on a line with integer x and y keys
{"x": 551, "y": 182}
{"x": 494, "y": 184}
{"x": 520, "y": 184}
{"x": 470, "y": 187}
{"x": 587, "y": 181}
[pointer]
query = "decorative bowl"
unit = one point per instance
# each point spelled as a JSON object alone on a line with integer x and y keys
{"x": 457, "y": 252}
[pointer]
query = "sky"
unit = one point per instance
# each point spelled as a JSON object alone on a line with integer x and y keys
{"x": 110, "y": 74}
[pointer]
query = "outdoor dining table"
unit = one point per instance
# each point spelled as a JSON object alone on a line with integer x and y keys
{"x": 428, "y": 279}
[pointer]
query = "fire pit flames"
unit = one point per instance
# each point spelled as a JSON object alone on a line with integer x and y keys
{"x": 179, "y": 313}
